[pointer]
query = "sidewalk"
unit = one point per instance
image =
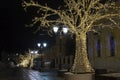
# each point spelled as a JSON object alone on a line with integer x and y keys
{"x": 108, "y": 76}
{"x": 113, "y": 75}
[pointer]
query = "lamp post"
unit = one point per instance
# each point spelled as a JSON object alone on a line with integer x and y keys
{"x": 60, "y": 30}
{"x": 33, "y": 53}
{"x": 41, "y": 45}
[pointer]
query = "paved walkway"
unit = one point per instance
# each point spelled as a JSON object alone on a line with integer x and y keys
{"x": 35, "y": 75}
{"x": 108, "y": 76}
{"x": 115, "y": 75}
{"x": 25, "y": 74}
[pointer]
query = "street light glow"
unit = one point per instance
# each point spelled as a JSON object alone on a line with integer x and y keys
{"x": 34, "y": 52}
{"x": 55, "y": 29}
{"x": 65, "y": 30}
{"x": 39, "y": 44}
{"x": 44, "y": 44}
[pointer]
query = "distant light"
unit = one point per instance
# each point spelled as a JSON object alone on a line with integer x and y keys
{"x": 17, "y": 54}
{"x": 17, "y": 65}
{"x": 31, "y": 51}
{"x": 44, "y": 44}
{"x": 8, "y": 59}
{"x": 39, "y": 44}
{"x": 65, "y": 30}
{"x": 55, "y": 29}
{"x": 36, "y": 52}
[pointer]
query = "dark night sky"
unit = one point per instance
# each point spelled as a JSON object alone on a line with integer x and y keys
{"x": 14, "y": 35}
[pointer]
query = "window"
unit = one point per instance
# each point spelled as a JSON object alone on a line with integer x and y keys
{"x": 112, "y": 46}
{"x": 98, "y": 48}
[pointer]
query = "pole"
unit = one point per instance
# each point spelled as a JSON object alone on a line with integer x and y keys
{"x": 60, "y": 49}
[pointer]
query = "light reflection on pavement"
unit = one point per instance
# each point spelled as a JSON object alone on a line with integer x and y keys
{"x": 35, "y": 75}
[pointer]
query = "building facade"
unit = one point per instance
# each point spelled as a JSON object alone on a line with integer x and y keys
{"x": 104, "y": 49}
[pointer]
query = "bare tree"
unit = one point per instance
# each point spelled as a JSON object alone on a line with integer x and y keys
{"x": 80, "y": 16}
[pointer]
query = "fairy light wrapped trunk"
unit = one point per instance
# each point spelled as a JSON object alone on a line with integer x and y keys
{"x": 81, "y": 62}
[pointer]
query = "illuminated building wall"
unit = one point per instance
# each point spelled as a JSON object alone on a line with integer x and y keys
{"x": 104, "y": 49}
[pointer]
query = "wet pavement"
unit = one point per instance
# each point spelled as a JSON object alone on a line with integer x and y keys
{"x": 36, "y": 75}
{"x": 27, "y": 74}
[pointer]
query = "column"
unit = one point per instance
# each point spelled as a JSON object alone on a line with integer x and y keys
{"x": 116, "y": 33}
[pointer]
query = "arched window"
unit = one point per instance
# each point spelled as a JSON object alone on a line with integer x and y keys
{"x": 98, "y": 48}
{"x": 112, "y": 46}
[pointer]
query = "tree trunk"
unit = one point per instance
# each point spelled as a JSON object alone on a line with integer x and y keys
{"x": 81, "y": 62}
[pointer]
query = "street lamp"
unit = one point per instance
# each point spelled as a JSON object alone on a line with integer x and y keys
{"x": 63, "y": 29}
{"x": 55, "y": 29}
{"x": 60, "y": 29}
{"x": 41, "y": 45}
{"x": 44, "y": 44}
{"x": 34, "y": 52}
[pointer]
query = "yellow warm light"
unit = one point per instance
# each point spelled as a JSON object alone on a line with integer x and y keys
{"x": 24, "y": 63}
